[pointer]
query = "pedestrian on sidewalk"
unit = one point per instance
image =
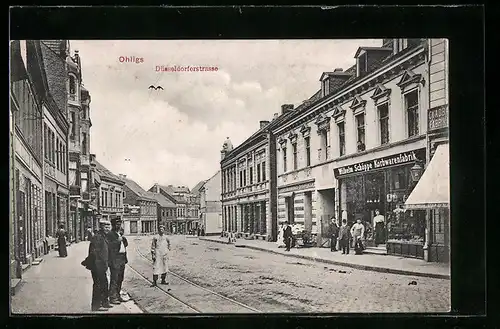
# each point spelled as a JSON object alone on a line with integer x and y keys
{"x": 98, "y": 260}
{"x": 334, "y": 231}
{"x": 357, "y": 232}
{"x": 160, "y": 247}
{"x": 344, "y": 237}
{"x": 287, "y": 236}
{"x": 280, "y": 241}
{"x": 117, "y": 259}
{"x": 61, "y": 241}
{"x": 379, "y": 225}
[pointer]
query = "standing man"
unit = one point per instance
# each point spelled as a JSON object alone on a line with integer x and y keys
{"x": 98, "y": 265}
{"x": 358, "y": 231}
{"x": 159, "y": 252}
{"x": 344, "y": 237}
{"x": 287, "y": 236}
{"x": 379, "y": 225}
{"x": 334, "y": 232}
{"x": 117, "y": 260}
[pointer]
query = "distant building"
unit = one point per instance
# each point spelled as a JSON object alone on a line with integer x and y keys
{"x": 110, "y": 193}
{"x": 140, "y": 209}
{"x": 211, "y": 205}
{"x": 166, "y": 210}
{"x": 187, "y": 206}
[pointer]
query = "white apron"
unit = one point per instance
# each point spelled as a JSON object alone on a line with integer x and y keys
{"x": 159, "y": 248}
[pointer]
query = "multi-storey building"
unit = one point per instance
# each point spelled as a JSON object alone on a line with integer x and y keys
{"x": 248, "y": 183}
{"x": 431, "y": 193}
{"x": 211, "y": 205}
{"x": 140, "y": 209}
{"x": 110, "y": 193}
{"x": 187, "y": 207}
{"x": 27, "y": 143}
{"x": 55, "y": 132}
{"x": 384, "y": 97}
{"x": 166, "y": 210}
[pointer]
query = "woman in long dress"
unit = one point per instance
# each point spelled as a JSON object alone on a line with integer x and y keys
{"x": 61, "y": 241}
{"x": 280, "y": 242}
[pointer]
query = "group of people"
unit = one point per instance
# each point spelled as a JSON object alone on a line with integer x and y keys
{"x": 344, "y": 234}
{"x": 107, "y": 251}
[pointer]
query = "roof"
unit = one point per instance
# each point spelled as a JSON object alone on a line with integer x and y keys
{"x": 137, "y": 189}
{"x": 196, "y": 190}
{"x": 171, "y": 189}
{"x": 162, "y": 200}
{"x": 106, "y": 174}
{"x": 205, "y": 182}
{"x": 371, "y": 49}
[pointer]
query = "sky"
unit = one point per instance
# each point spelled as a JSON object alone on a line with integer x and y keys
{"x": 174, "y": 136}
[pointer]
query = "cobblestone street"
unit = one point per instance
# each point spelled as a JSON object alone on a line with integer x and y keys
{"x": 273, "y": 283}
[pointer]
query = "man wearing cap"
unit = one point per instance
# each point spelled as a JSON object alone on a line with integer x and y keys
{"x": 159, "y": 252}
{"x": 117, "y": 259}
{"x": 98, "y": 265}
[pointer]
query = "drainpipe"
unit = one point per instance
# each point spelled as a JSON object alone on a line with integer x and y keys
{"x": 428, "y": 212}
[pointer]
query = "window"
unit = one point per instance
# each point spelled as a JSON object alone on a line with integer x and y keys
{"x": 258, "y": 173}
{"x": 325, "y": 87}
{"x": 360, "y": 125}
{"x": 73, "y": 126}
{"x": 263, "y": 165}
{"x": 325, "y": 143}
{"x": 284, "y": 159}
{"x": 45, "y": 138}
{"x": 244, "y": 177}
{"x": 383, "y": 114}
{"x": 294, "y": 149}
{"x": 251, "y": 175}
{"x": 241, "y": 178}
{"x": 102, "y": 198}
{"x": 341, "y": 128}
{"x": 72, "y": 85}
{"x": 57, "y": 155}
{"x": 411, "y": 104}
{"x": 307, "y": 141}
{"x": 84, "y": 143}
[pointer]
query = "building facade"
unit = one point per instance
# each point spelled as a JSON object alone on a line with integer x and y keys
{"x": 140, "y": 209}
{"x": 110, "y": 194}
{"x": 248, "y": 183}
{"x": 431, "y": 194}
{"x": 383, "y": 97}
{"x": 166, "y": 210}
{"x": 27, "y": 142}
{"x": 55, "y": 133}
{"x": 211, "y": 205}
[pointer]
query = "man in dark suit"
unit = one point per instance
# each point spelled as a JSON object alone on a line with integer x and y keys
{"x": 98, "y": 265}
{"x": 117, "y": 260}
{"x": 344, "y": 237}
{"x": 334, "y": 232}
{"x": 287, "y": 236}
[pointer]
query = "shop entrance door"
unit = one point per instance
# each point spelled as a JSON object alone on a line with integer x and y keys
{"x": 290, "y": 209}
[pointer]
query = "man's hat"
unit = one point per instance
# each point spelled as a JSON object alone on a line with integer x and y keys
{"x": 116, "y": 220}
{"x": 104, "y": 221}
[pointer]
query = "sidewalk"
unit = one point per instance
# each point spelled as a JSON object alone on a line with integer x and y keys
{"x": 369, "y": 262}
{"x": 60, "y": 286}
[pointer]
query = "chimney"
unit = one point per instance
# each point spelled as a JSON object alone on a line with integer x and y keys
{"x": 338, "y": 70}
{"x": 286, "y": 108}
{"x": 263, "y": 123}
{"x": 275, "y": 116}
{"x": 122, "y": 175}
{"x": 157, "y": 189}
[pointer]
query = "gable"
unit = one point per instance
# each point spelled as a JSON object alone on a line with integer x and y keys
{"x": 409, "y": 77}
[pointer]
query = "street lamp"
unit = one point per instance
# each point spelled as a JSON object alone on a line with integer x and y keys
{"x": 416, "y": 171}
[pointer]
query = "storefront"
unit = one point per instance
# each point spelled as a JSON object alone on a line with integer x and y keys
{"x": 431, "y": 195}
{"x": 384, "y": 184}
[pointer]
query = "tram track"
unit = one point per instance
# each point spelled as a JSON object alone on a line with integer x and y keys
{"x": 196, "y": 298}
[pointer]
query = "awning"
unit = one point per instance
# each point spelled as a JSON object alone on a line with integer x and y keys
{"x": 433, "y": 188}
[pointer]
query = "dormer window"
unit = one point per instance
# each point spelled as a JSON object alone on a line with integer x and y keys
{"x": 361, "y": 64}
{"x": 325, "y": 86}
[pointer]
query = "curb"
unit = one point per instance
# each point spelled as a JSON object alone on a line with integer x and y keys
{"x": 338, "y": 263}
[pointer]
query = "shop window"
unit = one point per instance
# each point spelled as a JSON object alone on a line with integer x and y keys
{"x": 307, "y": 142}
{"x": 341, "y": 128}
{"x": 383, "y": 111}
{"x": 411, "y": 105}
{"x": 294, "y": 149}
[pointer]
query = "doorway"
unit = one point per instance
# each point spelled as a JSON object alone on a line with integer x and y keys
{"x": 290, "y": 208}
